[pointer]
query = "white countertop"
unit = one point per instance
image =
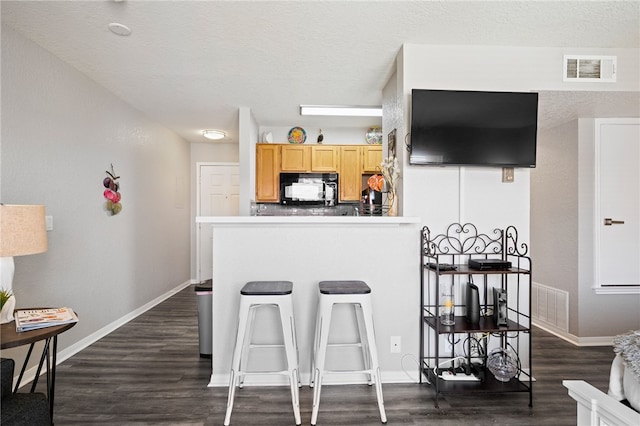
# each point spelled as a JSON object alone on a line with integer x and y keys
{"x": 307, "y": 220}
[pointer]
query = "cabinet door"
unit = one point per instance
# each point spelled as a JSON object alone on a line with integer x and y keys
{"x": 296, "y": 158}
{"x": 350, "y": 180}
{"x": 267, "y": 173}
{"x": 324, "y": 159}
{"x": 371, "y": 158}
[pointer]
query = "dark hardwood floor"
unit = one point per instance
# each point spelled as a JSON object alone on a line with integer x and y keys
{"x": 149, "y": 372}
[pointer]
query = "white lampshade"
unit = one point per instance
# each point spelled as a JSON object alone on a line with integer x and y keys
{"x": 22, "y": 230}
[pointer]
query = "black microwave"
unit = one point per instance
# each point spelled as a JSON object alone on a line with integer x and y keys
{"x": 309, "y": 189}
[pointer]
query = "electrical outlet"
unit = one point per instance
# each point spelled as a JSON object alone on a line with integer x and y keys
{"x": 396, "y": 344}
{"x": 49, "y": 223}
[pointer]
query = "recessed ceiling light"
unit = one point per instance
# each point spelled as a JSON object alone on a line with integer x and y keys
{"x": 214, "y": 134}
{"x": 119, "y": 29}
{"x": 341, "y": 110}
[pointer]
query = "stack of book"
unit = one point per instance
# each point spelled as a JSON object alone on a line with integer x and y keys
{"x": 33, "y": 319}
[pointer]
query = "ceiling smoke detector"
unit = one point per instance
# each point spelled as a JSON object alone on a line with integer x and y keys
{"x": 119, "y": 29}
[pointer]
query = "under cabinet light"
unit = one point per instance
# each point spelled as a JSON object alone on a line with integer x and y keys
{"x": 341, "y": 110}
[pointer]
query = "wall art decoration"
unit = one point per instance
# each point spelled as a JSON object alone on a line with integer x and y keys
{"x": 297, "y": 135}
{"x": 112, "y": 192}
{"x": 391, "y": 143}
{"x": 373, "y": 135}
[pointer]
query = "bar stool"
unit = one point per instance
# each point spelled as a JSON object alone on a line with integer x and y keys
{"x": 358, "y": 294}
{"x": 253, "y": 295}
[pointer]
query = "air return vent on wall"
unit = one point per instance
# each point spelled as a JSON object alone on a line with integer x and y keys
{"x": 588, "y": 68}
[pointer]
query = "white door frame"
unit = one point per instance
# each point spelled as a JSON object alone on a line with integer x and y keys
{"x": 199, "y": 165}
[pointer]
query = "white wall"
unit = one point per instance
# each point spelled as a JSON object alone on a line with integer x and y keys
{"x": 60, "y": 132}
{"x": 440, "y": 195}
{"x": 554, "y": 213}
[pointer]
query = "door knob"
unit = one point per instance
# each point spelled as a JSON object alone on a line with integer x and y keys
{"x": 608, "y": 221}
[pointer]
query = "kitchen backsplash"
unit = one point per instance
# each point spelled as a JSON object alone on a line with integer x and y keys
{"x": 270, "y": 209}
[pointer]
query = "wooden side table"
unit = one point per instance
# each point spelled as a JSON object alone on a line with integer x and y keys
{"x": 9, "y": 338}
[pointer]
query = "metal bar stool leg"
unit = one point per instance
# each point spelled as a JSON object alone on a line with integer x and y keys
{"x": 364, "y": 341}
{"x": 314, "y": 348}
{"x": 373, "y": 353}
{"x": 237, "y": 353}
{"x": 244, "y": 356}
{"x": 325, "y": 308}
{"x": 288, "y": 332}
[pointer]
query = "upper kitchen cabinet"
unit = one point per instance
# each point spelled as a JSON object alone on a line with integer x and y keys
{"x": 350, "y": 180}
{"x": 267, "y": 173}
{"x": 295, "y": 158}
{"x": 371, "y": 158}
{"x": 324, "y": 158}
{"x": 305, "y": 158}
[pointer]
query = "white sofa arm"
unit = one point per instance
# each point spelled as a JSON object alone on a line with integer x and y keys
{"x": 596, "y": 408}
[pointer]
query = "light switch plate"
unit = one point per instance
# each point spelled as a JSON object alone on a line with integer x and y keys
{"x": 49, "y": 222}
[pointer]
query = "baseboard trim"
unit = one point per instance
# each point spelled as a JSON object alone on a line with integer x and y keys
{"x": 68, "y": 352}
{"x": 573, "y": 339}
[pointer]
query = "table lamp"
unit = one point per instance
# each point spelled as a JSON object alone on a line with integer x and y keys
{"x": 22, "y": 231}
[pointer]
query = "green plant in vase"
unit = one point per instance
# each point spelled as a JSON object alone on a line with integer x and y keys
{"x": 7, "y": 305}
{"x": 5, "y": 295}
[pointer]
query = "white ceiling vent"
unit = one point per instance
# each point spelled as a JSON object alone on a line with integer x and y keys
{"x": 588, "y": 68}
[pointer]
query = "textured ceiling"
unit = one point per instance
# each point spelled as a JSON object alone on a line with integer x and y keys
{"x": 190, "y": 65}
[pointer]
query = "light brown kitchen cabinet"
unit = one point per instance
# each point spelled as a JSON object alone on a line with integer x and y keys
{"x": 371, "y": 158}
{"x": 350, "y": 179}
{"x": 350, "y": 161}
{"x": 295, "y": 158}
{"x": 267, "y": 173}
{"x": 324, "y": 158}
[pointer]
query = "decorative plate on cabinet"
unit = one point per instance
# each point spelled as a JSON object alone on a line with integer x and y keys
{"x": 373, "y": 135}
{"x": 297, "y": 135}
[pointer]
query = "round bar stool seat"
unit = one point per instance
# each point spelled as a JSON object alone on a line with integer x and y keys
{"x": 253, "y": 295}
{"x": 358, "y": 294}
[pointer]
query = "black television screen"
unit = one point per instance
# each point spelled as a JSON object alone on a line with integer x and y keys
{"x": 454, "y": 127}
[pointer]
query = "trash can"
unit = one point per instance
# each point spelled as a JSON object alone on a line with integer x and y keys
{"x": 204, "y": 291}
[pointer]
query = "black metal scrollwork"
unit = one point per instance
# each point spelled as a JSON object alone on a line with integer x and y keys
{"x": 511, "y": 245}
{"x": 462, "y": 239}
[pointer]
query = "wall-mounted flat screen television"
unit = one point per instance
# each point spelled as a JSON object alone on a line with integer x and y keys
{"x": 473, "y": 128}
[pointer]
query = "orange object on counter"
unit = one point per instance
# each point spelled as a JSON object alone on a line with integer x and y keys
{"x": 376, "y": 182}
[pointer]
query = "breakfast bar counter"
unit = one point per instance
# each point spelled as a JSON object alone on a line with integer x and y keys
{"x": 382, "y": 251}
{"x": 307, "y": 220}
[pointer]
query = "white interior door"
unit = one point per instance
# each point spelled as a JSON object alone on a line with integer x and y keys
{"x": 618, "y": 202}
{"x": 219, "y": 195}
